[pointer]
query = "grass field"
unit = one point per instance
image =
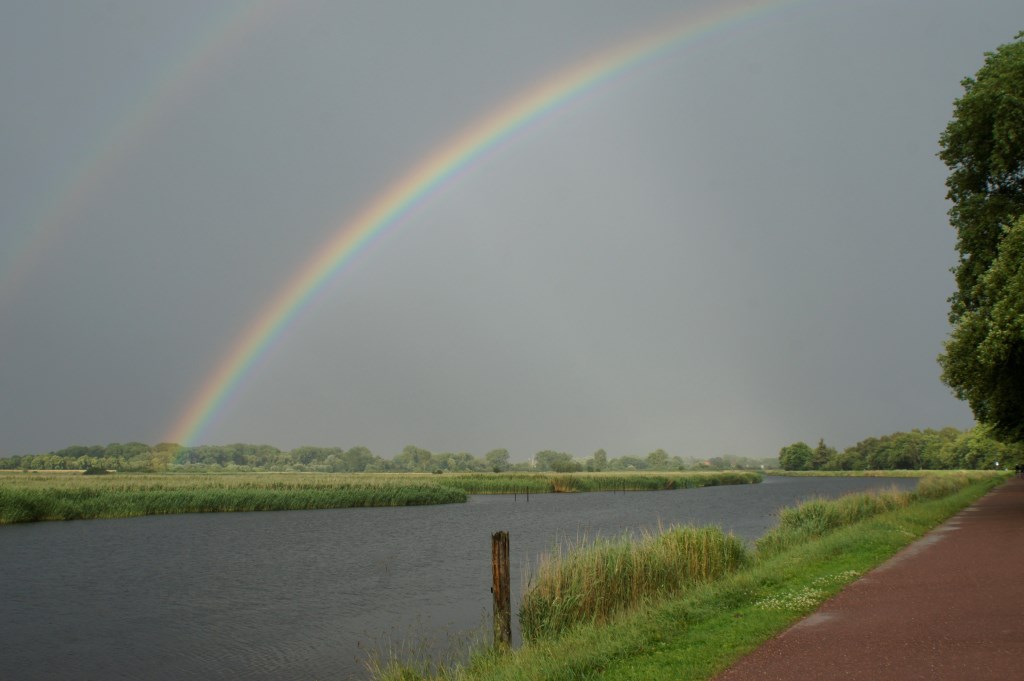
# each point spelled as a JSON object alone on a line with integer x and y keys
{"x": 62, "y": 495}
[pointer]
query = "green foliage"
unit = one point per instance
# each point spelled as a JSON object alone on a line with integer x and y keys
{"x": 796, "y": 457}
{"x": 938, "y": 486}
{"x": 497, "y": 460}
{"x": 561, "y": 462}
{"x": 984, "y": 150}
{"x": 733, "y": 462}
{"x": 657, "y": 460}
{"x": 628, "y": 463}
{"x": 926, "y": 449}
{"x": 239, "y": 457}
{"x": 414, "y": 458}
{"x": 816, "y": 517}
{"x": 591, "y": 582}
{"x": 822, "y": 455}
{"x": 984, "y": 358}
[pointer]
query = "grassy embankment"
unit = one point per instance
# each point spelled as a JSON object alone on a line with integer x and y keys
{"x": 725, "y": 606}
{"x": 893, "y": 473}
{"x": 28, "y": 497}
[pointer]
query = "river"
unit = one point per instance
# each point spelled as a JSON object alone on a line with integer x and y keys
{"x": 303, "y": 594}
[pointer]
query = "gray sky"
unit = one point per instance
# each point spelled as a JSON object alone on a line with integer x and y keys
{"x": 735, "y": 246}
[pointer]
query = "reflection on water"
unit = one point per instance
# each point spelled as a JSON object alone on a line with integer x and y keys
{"x": 299, "y": 594}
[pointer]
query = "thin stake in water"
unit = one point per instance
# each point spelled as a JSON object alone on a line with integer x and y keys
{"x": 500, "y": 589}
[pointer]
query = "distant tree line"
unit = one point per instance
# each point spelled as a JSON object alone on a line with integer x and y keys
{"x": 948, "y": 448}
{"x": 141, "y": 457}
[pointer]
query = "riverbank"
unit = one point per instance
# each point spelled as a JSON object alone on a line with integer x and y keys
{"x": 946, "y": 608}
{"x": 700, "y": 633}
{"x": 38, "y": 496}
{"x": 306, "y": 594}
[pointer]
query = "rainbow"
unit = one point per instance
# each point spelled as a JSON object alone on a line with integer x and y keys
{"x": 433, "y": 171}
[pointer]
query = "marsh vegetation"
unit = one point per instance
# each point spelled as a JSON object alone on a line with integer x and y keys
{"x": 591, "y": 582}
{"x": 34, "y": 496}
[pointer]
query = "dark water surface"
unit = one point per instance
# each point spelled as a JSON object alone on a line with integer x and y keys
{"x": 300, "y": 594}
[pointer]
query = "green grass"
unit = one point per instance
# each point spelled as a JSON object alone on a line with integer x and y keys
{"x": 817, "y": 517}
{"x": 695, "y": 635}
{"x": 53, "y": 495}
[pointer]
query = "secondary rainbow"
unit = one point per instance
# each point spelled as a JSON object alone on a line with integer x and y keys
{"x": 217, "y": 38}
{"x": 397, "y": 200}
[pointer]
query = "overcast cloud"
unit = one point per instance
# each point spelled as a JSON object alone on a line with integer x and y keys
{"x": 738, "y": 245}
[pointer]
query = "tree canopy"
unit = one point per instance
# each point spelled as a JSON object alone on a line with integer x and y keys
{"x": 170, "y": 457}
{"x": 796, "y": 457}
{"x": 926, "y": 449}
{"x": 983, "y": 146}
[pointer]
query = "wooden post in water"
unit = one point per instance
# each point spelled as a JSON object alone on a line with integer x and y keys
{"x": 501, "y": 591}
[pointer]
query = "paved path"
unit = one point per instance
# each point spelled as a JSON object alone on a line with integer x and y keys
{"x": 950, "y": 606}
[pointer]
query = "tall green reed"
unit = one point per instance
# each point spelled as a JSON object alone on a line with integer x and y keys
{"x": 27, "y": 497}
{"x": 67, "y": 498}
{"x": 590, "y": 582}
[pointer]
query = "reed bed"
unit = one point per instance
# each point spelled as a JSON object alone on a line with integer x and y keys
{"x": 816, "y": 517}
{"x": 950, "y": 482}
{"x": 33, "y": 497}
{"x": 541, "y": 483}
{"x": 61, "y": 495}
{"x": 590, "y": 582}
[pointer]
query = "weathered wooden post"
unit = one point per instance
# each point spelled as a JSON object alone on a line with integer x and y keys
{"x": 501, "y": 591}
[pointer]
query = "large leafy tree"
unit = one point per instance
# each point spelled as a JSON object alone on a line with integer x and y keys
{"x": 497, "y": 460}
{"x": 796, "y": 457}
{"x": 560, "y": 462}
{"x": 983, "y": 146}
{"x": 984, "y": 359}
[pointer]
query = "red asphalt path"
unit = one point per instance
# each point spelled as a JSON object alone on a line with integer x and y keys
{"x": 949, "y": 606}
